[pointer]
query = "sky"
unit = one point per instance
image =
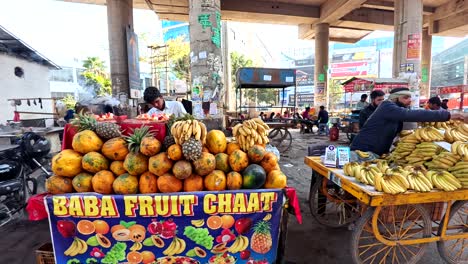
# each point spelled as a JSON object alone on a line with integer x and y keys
{"x": 62, "y": 31}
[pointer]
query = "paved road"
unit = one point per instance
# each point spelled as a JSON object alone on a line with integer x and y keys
{"x": 306, "y": 243}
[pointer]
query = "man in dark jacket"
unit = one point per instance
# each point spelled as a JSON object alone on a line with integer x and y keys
{"x": 377, "y": 97}
{"x": 386, "y": 122}
{"x": 323, "y": 121}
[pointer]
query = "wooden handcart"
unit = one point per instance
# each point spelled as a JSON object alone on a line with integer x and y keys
{"x": 390, "y": 228}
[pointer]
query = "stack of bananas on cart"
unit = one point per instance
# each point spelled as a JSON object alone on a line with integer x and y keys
{"x": 251, "y": 132}
{"x": 423, "y": 152}
{"x": 460, "y": 171}
{"x": 443, "y": 161}
{"x": 184, "y": 130}
{"x": 444, "y": 180}
{"x": 461, "y": 149}
{"x": 428, "y": 134}
{"x": 458, "y": 133}
{"x": 441, "y": 125}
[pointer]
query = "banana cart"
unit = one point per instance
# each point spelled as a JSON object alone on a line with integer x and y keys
{"x": 390, "y": 228}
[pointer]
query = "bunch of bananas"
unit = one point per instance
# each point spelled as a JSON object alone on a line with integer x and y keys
{"x": 460, "y": 148}
{"x": 428, "y": 134}
{"x": 136, "y": 246}
{"x": 240, "y": 244}
{"x": 177, "y": 246}
{"x": 409, "y": 138}
{"x": 198, "y": 222}
{"x": 382, "y": 165}
{"x": 460, "y": 171}
{"x": 458, "y": 133}
{"x": 78, "y": 246}
{"x": 367, "y": 174}
{"x": 251, "y": 132}
{"x": 441, "y": 125}
{"x": 350, "y": 167}
{"x": 444, "y": 180}
{"x": 443, "y": 161}
{"x": 402, "y": 150}
{"x": 418, "y": 181}
{"x": 390, "y": 182}
{"x": 184, "y": 130}
{"x": 362, "y": 154}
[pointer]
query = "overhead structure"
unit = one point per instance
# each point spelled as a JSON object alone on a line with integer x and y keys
{"x": 350, "y": 20}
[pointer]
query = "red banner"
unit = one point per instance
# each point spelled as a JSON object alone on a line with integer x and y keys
{"x": 413, "y": 50}
{"x": 452, "y": 89}
{"x": 344, "y": 69}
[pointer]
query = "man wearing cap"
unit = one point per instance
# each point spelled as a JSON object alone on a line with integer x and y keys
{"x": 387, "y": 121}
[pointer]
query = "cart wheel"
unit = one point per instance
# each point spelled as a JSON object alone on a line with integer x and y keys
{"x": 404, "y": 222}
{"x": 330, "y": 205}
{"x": 455, "y": 251}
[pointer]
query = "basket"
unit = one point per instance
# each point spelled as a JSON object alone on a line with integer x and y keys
{"x": 45, "y": 254}
{"x": 390, "y": 214}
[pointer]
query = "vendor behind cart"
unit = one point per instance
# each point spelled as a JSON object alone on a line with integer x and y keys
{"x": 153, "y": 97}
{"x": 386, "y": 122}
{"x": 377, "y": 97}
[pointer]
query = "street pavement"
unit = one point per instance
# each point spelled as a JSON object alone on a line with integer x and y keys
{"x": 309, "y": 242}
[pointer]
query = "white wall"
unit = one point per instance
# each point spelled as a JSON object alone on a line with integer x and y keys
{"x": 34, "y": 84}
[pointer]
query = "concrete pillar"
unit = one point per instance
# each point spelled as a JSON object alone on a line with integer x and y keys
{"x": 321, "y": 64}
{"x": 206, "y": 58}
{"x": 408, "y": 17}
{"x": 119, "y": 17}
{"x": 426, "y": 57}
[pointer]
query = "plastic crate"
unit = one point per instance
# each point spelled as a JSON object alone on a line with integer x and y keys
{"x": 45, "y": 254}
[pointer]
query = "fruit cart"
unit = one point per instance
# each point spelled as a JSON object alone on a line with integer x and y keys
{"x": 132, "y": 198}
{"x": 390, "y": 228}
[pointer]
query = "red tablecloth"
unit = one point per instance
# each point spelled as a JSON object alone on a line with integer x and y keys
{"x": 158, "y": 129}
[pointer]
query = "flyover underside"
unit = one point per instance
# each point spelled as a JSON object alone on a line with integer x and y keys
{"x": 350, "y": 20}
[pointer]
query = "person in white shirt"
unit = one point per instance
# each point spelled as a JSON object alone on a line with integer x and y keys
{"x": 153, "y": 97}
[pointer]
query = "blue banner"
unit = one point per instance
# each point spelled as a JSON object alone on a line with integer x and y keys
{"x": 200, "y": 228}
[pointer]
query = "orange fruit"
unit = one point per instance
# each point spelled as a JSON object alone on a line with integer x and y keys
{"x": 175, "y": 152}
{"x": 231, "y": 146}
{"x": 147, "y": 257}
{"x": 228, "y": 221}
{"x": 134, "y": 257}
{"x": 101, "y": 227}
{"x": 85, "y": 227}
{"x": 215, "y": 181}
{"x": 214, "y": 222}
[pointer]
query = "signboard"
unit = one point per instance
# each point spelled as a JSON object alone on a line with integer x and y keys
{"x": 413, "y": 49}
{"x": 199, "y": 227}
{"x": 133, "y": 65}
{"x": 344, "y": 69}
{"x": 320, "y": 88}
{"x": 305, "y": 76}
{"x": 302, "y": 99}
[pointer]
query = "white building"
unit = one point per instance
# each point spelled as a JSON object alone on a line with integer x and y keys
{"x": 24, "y": 76}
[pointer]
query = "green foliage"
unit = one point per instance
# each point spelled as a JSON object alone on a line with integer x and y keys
{"x": 263, "y": 95}
{"x": 96, "y": 76}
{"x": 69, "y": 101}
{"x": 336, "y": 93}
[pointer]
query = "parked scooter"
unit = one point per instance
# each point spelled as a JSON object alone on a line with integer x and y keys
{"x": 16, "y": 167}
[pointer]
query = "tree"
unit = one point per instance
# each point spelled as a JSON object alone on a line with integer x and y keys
{"x": 263, "y": 95}
{"x": 336, "y": 93}
{"x": 96, "y": 76}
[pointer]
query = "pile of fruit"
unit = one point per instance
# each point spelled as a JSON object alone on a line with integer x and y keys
{"x": 251, "y": 132}
{"x": 417, "y": 164}
{"x": 189, "y": 160}
{"x": 154, "y": 117}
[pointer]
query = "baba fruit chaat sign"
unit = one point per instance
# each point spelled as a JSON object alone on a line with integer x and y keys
{"x": 202, "y": 227}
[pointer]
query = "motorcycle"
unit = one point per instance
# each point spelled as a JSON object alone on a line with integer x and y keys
{"x": 16, "y": 167}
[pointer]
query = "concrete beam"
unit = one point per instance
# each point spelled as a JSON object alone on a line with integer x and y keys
{"x": 274, "y": 8}
{"x": 459, "y": 20}
{"x": 333, "y": 10}
{"x": 450, "y": 8}
{"x": 390, "y": 6}
{"x": 370, "y": 16}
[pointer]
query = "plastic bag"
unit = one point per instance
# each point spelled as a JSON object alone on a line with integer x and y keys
{"x": 271, "y": 148}
{"x": 36, "y": 207}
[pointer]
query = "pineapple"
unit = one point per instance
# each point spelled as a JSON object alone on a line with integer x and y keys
{"x": 168, "y": 141}
{"x": 192, "y": 149}
{"x": 104, "y": 130}
{"x": 261, "y": 239}
{"x": 108, "y": 130}
{"x": 134, "y": 140}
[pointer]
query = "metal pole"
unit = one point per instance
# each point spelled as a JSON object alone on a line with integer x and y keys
{"x": 167, "y": 73}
